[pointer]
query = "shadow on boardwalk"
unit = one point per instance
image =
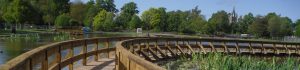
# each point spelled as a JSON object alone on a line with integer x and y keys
{"x": 102, "y": 64}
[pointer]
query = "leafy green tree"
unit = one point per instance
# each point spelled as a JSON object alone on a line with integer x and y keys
{"x": 77, "y": 11}
{"x": 107, "y": 5}
{"x": 174, "y": 20}
{"x": 16, "y": 13}
{"x": 127, "y": 12}
{"x": 219, "y": 23}
{"x": 245, "y": 22}
{"x": 297, "y": 28}
{"x": 103, "y": 21}
{"x": 279, "y": 26}
{"x": 155, "y": 18}
{"x": 135, "y": 22}
{"x": 63, "y": 21}
{"x": 259, "y": 27}
{"x": 91, "y": 13}
{"x": 286, "y": 26}
{"x": 191, "y": 21}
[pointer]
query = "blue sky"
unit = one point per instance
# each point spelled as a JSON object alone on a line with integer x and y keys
{"x": 289, "y": 8}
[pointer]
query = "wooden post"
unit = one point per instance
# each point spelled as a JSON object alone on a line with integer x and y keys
{"x": 84, "y": 51}
{"x": 96, "y": 56}
{"x": 29, "y": 64}
{"x": 45, "y": 61}
{"x": 238, "y": 51}
{"x": 225, "y": 47}
{"x": 297, "y": 52}
{"x": 107, "y": 46}
{"x": 274, "y": 49}
{"x": 70, "y": 55}
{"x": 287, "y": 49}
{"x": 263, "y": 49}
{"x": 58, "y": 56}
{"x": 212, "y": 47}
{"x": 201, "y": 46}
{"x": 250, "y": 48}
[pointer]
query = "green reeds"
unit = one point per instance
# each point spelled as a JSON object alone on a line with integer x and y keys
{"x": 218, "y": 61}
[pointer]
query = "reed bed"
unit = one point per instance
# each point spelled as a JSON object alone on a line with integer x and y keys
{"x": 217, "y": 61}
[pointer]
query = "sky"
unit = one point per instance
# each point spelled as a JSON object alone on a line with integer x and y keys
{"x": 285, "y": 8}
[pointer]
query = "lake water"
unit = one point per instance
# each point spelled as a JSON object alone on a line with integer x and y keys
{"x": 12, "y": 48}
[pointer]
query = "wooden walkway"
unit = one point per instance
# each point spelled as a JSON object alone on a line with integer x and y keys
{"x": 101, "y": 64}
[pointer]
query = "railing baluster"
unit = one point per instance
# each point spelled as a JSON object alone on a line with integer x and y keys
{"x": 107, "y": 46}
{"x": 213, "y": 49}
{"x": 70, "y": 55}
{"x": 96, "y": 56}
{"x": 297, "y": 52}
{"x": 84, "y": 51}
{"x": 225, "y": 48}
{"x": 251, "y": 48}
{"x": 201, "y": 46}
{"x": 263, "y": 49}
{"x": 45, "y": 61}
{"x": 58, "y": 56}
{"x": 238, "y": 51}
{"x": 275, "y": 49}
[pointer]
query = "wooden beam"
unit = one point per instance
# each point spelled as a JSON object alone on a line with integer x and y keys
{"x": 238, "y": 51}
{"x": 250, "y": 48}
{"x": 154, "y": 54}
{"x": 189, "y": 46}
{"x": 275, "y": 49}
{"x": 201, "y": 47}
{"x": 160, "y": 51}
{"x": 225, "y": 47}
{"x": 145, "y": 55}
{"x": 212, "y": 47}
{"x": 263, "y": 49}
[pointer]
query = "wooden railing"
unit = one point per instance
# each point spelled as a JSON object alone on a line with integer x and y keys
{"x": 64, "y": 54}
{"x": 132, "y": 54}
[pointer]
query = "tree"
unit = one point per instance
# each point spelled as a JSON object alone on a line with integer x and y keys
{"x": 16, "y": 13}
{"x": 173, "y": 20}
{"x": 3, "y": 7}
{"x": 77, "y": 11}
{"x": 107, "y": 5}
{"x": 63, "y": 21}
{"x": 279, "y": 26}
{"x": 103, "y": 21}
{"x": 297, "y": 28}
{"x": 155, "y": 18}
{"x": 127, "y": 12}
{"x": 219, "y": 23}
{"x": 259, "y": 27}
{"x": 135, "y": 22}
{"x": 191, "y": 21}
{"x": 245, "y": 22}
{"x": 91, "y": 13}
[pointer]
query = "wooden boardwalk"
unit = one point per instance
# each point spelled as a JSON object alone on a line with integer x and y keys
{"x": 101, "y": 64}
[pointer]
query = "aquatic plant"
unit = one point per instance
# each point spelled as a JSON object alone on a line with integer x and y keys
{"x": 218, "y": 61}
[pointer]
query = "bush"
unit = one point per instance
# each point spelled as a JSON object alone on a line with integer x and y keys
{"x": 62, "y": 21}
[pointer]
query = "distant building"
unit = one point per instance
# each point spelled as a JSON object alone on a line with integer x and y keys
{"x": 233, "y": 17}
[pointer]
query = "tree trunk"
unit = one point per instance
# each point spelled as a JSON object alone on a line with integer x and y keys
{"x": 49, "y": 26}
{"x": 13, "y": 29}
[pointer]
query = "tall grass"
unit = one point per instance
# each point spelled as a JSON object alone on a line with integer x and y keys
{"x": 217, "y": 61}
{"x": 62, "y": 37}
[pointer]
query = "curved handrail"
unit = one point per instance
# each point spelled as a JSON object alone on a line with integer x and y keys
{"x": 137, "y": 54}
{"x": 42, "y": 55}
{"x": 131, "y": 53}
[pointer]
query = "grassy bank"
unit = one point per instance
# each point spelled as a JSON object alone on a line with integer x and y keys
{"x": 215, "y": 61}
